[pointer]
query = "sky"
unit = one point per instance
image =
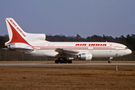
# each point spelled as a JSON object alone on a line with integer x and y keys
{"x": 70, "y": 17}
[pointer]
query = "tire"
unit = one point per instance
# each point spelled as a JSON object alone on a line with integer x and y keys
{"x": 56, "y": 61}
{"x": 69, "y": 61}
{"x": 109, "y": 61}
{"x": 65, "y": 61}
{"x": 61, "y": 61}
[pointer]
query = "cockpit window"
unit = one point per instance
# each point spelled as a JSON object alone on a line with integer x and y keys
{"x": 126, "y": 47}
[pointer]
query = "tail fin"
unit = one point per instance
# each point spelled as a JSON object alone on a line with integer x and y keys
{"x": 17, "y": 35}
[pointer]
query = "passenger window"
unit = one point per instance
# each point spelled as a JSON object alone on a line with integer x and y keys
{"x": 83, "y": 53}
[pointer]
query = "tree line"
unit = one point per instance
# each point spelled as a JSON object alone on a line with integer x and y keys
{"x": 128, "y": 40}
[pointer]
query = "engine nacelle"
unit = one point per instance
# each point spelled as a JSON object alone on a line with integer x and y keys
{"x": 19, "y": 46}
{"x": 11, "y": 46}
{"x": 85, "y": 56}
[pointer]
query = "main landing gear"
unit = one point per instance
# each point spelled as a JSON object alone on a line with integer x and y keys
{"x": 110, "y": 60}
{"x": 63, "y": 60}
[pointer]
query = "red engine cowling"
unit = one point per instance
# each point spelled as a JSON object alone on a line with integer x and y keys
{"x": 85, "y": 56}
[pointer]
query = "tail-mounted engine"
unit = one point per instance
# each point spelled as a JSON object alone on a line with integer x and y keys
{"x": 11, "y": 46}
{"x": 21, "y": 47}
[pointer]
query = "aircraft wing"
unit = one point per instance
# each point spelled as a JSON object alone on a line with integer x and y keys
{"x": 66, "y": 51}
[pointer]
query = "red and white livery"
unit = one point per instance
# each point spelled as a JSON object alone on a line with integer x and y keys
{"x": 36, "y": 44}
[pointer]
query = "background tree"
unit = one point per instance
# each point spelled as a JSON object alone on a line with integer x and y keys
{"x": 129, "y": 41}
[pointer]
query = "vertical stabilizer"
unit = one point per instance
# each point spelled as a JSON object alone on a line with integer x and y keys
{"x": 17, "y": 35}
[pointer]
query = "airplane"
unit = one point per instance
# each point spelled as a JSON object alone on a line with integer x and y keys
{"x": 65, "y": 52}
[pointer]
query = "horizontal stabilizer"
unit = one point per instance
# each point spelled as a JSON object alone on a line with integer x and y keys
{"x": 4, "y": 49}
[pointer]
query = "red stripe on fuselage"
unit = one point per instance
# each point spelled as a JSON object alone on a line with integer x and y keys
{"x": 77, "y": 48}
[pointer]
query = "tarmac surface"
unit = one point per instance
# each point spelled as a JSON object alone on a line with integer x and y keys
{"x": 27, "y": 64}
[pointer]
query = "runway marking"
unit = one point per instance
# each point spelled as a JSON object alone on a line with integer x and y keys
{"x": 34, "y": 64}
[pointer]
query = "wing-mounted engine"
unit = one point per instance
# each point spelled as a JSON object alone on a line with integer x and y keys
{"x": 85, "y": 56}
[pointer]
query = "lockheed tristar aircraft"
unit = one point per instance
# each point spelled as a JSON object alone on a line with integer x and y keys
{"x": 65, "y": 52}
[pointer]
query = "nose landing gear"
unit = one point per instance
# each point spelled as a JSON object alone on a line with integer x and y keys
{"x": 110, "y": 60}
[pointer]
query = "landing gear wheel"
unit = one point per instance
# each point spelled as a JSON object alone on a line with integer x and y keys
{"x": 109, "y": 61}
{"x": 69, "y": 61}
{"x": 56, "y": 61}
{"x": 65, "y": 61}
{"x": 61, "y": 61}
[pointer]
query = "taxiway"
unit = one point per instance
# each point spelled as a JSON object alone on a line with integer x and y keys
{"x": 27, "y": 64}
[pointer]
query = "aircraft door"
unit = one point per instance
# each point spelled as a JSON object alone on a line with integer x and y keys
{"x": 117, "y": 52}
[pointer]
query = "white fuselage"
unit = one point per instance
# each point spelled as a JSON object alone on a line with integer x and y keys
{"x": 37, "y": 45}
{"x": 97, "y": 49}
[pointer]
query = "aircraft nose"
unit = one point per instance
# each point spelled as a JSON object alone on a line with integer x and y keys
{"x": 129, "y": 51}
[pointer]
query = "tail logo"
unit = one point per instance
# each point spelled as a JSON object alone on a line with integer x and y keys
{"x": 18, "y": 28}
{"x": 17, "y": 33}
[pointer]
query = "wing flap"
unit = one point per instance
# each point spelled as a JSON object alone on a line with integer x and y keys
{"x": 66, "y": 51}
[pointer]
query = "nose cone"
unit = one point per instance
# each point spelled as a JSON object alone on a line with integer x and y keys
{"x": 128, "y": 52}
